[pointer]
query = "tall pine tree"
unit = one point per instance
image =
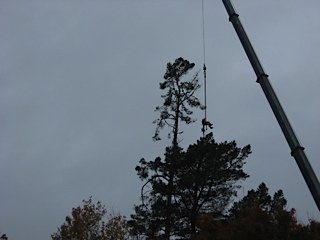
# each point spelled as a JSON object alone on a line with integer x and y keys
{"x": 183, "y": 184}
{"x": 154, "y": 217}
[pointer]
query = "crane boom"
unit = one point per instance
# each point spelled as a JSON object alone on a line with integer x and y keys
{"x": 297, "y": 151}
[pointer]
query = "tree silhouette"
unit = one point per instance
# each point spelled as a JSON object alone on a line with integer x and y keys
{"x": 155, "y": 215}
{"x": 257, "y": 216}
{"x": 179, "y": 99}
{"x": 184, "y": 184}
{"x": 206, "y": 179}
{"x": 262, "y": 216}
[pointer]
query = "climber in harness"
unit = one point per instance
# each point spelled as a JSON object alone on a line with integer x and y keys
{"x": 205, "y": 125}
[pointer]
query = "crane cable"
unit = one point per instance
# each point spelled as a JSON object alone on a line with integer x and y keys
{"x": 205, "y": 122}
{"x": 204, "y": 62}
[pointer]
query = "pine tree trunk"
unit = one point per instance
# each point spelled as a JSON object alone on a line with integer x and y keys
{"x": 168, "y": 221}
{"x": 193, "y": 225}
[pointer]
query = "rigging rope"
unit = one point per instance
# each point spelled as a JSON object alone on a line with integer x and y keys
{"x": 205, "y": 122}
{"x": 203, "y": 35}
{"x": 204, "y": 62}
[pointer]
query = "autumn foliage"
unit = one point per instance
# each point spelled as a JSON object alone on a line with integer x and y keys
{"x": 89, "y": 222}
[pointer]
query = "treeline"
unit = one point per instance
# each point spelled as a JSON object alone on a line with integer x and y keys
{"x": 258, "y": 216}
{"x": 189, "y": 193}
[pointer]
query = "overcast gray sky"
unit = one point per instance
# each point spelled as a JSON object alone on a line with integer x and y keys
{"x": 79, "y": 82}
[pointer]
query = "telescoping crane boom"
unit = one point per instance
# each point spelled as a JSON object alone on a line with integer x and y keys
{"x": 297, "y": 151}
